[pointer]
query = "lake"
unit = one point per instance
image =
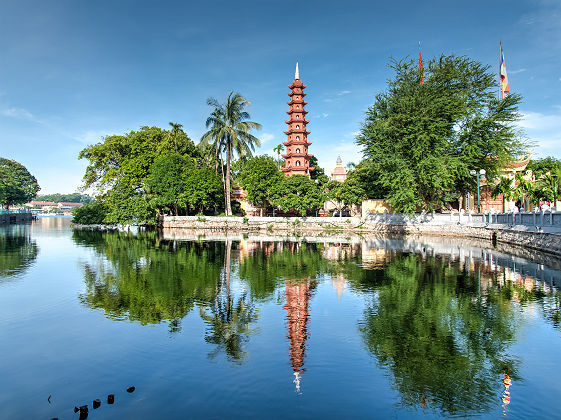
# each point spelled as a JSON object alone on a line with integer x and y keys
{"x": 272, "y": 327}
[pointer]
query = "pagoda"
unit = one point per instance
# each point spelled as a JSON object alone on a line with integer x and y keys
{"x": 297, "y": 158}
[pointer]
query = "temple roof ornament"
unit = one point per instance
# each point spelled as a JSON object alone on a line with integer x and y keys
{"x": 297, "y": 73}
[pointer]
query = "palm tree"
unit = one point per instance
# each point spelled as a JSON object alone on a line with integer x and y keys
{"x": 175, "y": 129}
{"x": 504, "y": 187}
{"x": 279, "y": 148}
{"x": 551, "y": 182}
{"x": 229, "y": 133}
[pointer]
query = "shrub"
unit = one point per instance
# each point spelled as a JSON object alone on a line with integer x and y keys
{"x": 90, "y": 214}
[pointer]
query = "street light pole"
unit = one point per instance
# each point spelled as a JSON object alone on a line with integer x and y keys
{"x": 478, "y": 174}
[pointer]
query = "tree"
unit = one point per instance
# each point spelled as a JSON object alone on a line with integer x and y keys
{"x": 204, "y": 188}
{"x": 167, "y": 182}
{"x": 503, "y": 187}
{"x": 260, "y": 178}
{"x": 550, "y": 182}
{"x": 318, "y": 172}
{"x": 119, "y": 167}
{"x": 298, "y": 192}
{"x": 344, "y": 194}
{"x": 278, "y": 149}
{"x": 17, "y": 185}
{"x": 423, "y": 139}
{"x": 90, "y": 214}
{"x": 230, "y": 133}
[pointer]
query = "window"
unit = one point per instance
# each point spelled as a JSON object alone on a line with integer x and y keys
{"x": 297, "y": 163}
{"x": 297, "y": 127}
{"x": 297, "y": 116}
{"x": 297, "y": 137}
{"x": 297, "y": 106}
{"x": 297, "y": 150}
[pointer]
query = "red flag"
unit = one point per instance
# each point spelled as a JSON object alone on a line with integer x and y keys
{"x": 421, "y": 72}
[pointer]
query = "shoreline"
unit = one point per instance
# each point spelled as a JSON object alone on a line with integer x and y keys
{"x": 544, "y": 239}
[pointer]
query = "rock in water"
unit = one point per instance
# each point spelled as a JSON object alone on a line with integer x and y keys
{"x": 131, "y": 389}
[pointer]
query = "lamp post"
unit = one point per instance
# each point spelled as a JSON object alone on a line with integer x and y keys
{"x": 479, "y": 174}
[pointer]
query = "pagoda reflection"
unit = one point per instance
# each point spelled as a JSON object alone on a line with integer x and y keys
{"x": 298, "y": 294}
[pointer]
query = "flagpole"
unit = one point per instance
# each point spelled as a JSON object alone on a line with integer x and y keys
{"x": 500, "y": 64}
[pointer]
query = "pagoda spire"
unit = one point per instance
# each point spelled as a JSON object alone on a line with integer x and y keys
{"x": 297, "y": 158}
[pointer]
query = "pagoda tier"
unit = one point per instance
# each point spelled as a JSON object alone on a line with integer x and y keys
{"x": 290, "y": 111}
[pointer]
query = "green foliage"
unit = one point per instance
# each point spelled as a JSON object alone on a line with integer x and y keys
{"x": 299, "y": 193}
{"x": 204, "y": 189}
{"x": 167, "y": 182}
{"x": 504, "y": 187}
{"x": 345, "y": 194}
{"x": 259, "y": 178}
{"x": 318, "y": 172}
{"x": 90, "y": 214}
{"x": 17, "y": 185}
{"x": 229, "y": 133}
{"x": 65, "y": 198}
{"x": 150, "y": 172}
{"x": 129, "y": 206}
{"x": 423, "y": 140}
{"x": 541, "y": 167}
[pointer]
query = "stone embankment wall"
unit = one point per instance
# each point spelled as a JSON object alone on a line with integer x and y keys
{"x": 7, "y": 218}
{"x": 543, "y": 238}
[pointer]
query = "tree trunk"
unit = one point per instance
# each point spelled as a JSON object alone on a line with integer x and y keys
{"x": 227, "y": 183}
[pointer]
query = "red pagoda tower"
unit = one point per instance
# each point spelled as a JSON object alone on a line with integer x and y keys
{"x": 297, "y": 158}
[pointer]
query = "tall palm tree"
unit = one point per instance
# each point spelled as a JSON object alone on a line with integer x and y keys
{"x": 175, "y": 130}
{"x": 230, "y": 132}
{"x": 279, "y": 148}
{"x": 504, "y": 187}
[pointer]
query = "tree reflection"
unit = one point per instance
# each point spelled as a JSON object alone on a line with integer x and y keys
{"x": 445, "y": 346}
{"x": 17, "y": 250}
{"x": 147, "y": 279}
{"x": 230, "y": 317}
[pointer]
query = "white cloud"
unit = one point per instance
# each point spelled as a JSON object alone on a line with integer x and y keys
{"x": 265, "y": 137}
{"x": 19, "y": 113}
{"x": 343, "y": 92}
{"x": 544, "y": 130}
{"x": 324, "y": 115}
{"x": 517, "y": 71}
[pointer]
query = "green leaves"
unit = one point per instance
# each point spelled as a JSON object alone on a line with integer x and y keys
{"x": 260, "y": 177}
{"x": 298, "y": 192}
{"x": 422, "y": 140}
{"x": 17, "y": 185}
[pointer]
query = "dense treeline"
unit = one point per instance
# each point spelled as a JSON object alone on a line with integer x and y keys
{"x": 65, "y": 198}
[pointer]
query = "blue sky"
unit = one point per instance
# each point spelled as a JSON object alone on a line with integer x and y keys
{"x": 73, "y": 71}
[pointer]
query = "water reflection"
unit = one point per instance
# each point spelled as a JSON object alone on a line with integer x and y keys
{"x": 439, "y": 317}
{"x": 17, "y": 250}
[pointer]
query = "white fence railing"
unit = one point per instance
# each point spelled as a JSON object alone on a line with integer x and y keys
{"x": 538, "y": 219}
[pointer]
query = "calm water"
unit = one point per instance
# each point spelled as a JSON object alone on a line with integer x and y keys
{"x": 267, "y": 328}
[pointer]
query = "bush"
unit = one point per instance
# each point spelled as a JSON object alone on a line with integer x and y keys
{"x": 90, "y": 214}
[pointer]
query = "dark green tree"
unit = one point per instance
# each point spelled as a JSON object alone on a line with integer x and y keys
{"x": 167, "y": 182}
{"x": 423, "y": 139}
{"x": 299, "y": 193}
{"x": 230, "y": 133}
{"x": 90, "y": 214}
{"x": 260, "y": 177}
{"x": 17, "y": 185}
{"x": 204, "y": 189}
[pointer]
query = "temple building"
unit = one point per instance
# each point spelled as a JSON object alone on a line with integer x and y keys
{"x": 339, "y": 173}
{"x": 297, "y": 158}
